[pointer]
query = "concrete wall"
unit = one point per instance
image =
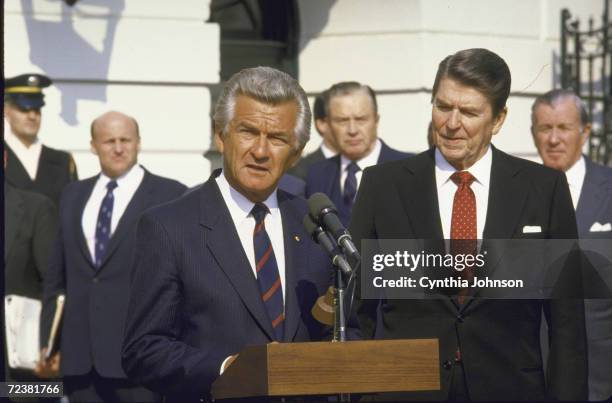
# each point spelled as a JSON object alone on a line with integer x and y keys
{"x": 155, "y": 59}
{"x": 151, "y": 59}
{"x": 395, "y": 47}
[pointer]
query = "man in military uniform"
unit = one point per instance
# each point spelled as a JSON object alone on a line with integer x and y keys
{"x": 31, "y": 165}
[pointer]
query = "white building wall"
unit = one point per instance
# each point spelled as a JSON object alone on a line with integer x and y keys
{"x": 395, "y": 47}
{"x": 151, "y": 59}
{"x": 154, "y": 59}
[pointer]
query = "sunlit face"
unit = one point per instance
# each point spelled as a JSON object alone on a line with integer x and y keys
{"x": 259, "y": 146}
{"x": 353, "y": 124}
{"x": 558, "y": 134}
{"x": 463, "y": 123}
{"x": 25, "y": 124}
{"x": 116, "y": 143}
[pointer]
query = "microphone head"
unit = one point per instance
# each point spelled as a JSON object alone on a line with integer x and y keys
{"x": 310, "y": 226}
{"x": 318, "y": 202}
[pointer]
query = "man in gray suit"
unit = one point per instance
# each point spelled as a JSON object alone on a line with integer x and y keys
{"x": 560, "y": 128}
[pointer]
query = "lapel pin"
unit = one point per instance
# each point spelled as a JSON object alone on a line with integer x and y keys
{"x": 297, "y": 238}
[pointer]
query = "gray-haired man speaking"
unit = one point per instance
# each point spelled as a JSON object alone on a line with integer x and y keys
{"x": 228, "y": 265}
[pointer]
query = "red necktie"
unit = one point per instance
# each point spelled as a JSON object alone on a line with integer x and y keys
{"x": 463, "y": 223}
{"x": 268, "y": 277}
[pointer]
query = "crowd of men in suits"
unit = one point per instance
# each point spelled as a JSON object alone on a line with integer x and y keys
{"x": 164, "y": 286}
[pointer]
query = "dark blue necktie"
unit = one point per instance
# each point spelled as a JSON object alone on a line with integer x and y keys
{"x": 103, "y": 226}
{"x": 268, "y": 277}
{"x": 350, "y": 183}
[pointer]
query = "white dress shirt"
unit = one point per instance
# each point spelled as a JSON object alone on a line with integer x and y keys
{"x": 240, "y": 210}
{"x": 327, "y": 152}
{"x": 28, "y": 156}
{"x": 481, "y": 170}
{"x": 369, "y": 160}
{"x": 127, "y": 184}
{"x": 575, "y": 179}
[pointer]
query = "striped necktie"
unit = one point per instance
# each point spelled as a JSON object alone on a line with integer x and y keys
{"x": 268, "y": 277}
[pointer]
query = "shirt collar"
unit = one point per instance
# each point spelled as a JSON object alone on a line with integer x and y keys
{"x": 575, "y": 175}
{"x": 239, "y": 206}
{"x": 327, "y": 152}
{"x": 481, "y": 170}
{"x": 129, "y": 178}
{"x": 369, "y": 160}
{"x": 13, "y": 141}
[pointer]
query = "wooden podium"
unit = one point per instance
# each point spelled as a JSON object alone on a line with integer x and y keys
{"x": 326, "y": 368}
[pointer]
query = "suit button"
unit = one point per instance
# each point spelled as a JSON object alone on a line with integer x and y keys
{"x": 460, "y": 318}
{"x": 95, "y": 279}
{"x": 447, "y": 364}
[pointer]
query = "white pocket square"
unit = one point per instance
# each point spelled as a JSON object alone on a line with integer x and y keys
{"x": 597, "y": 227}
{"x": 531, "y": 229}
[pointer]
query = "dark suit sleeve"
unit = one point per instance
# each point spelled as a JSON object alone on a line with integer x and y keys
{"x": 54, "y": 284}
{"x": 362, "y": 227}
{"x": 567, "y": 362}
{"x": 153, "y": 355}
{"x": 45, "y": 229}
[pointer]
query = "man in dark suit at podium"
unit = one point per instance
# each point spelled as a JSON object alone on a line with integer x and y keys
{"x": 91, "y": 261}
{"x": 466, "y": 189}
{"x": 228, "y": 265}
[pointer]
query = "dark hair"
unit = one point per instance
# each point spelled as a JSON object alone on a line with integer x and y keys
{"x": 319, "y": 111}
{"x": 479, "y": 68}
{"x": 348, "y": 88}
{"x": 554, "y": 96}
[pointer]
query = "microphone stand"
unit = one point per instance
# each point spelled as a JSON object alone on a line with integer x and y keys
{"x": 339, "y": 311}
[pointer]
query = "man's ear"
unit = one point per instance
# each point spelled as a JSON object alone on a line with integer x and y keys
{"x": 92, "y": 147}
{"x": 219, "y": 142}
{"x": 294, "y": 158}
{"x": 586, "y": 132}
{"x": 499, "y": 120}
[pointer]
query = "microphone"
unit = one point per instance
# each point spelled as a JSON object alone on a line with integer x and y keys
{"x": 324, "y": 212}
{"x": 322, "y": 238}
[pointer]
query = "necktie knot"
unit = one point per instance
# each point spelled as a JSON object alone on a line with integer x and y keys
{"x": 110, "y": 186}
{"x": 353, "y": 168}
{"x": 259, "y": 212}
{"x": 463, "y": 178}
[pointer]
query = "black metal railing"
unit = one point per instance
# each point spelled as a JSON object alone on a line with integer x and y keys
{"x": 586, "y": 67}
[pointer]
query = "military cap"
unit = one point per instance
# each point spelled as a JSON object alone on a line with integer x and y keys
{"x": 25, "y": 90}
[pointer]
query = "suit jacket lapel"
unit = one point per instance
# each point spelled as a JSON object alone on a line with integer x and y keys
{"x": 295, "y": 260}
{"x": 592, "y": 195}
{"x": 420, "y": 196}
{"x": 420, "y": 200}
{"x": 15, "y": 209}
{"x": 506, "y": 198}
{"x": 224, "y": 244}
{"x": 15, "y": 172}
{"x": 80, "y": 202}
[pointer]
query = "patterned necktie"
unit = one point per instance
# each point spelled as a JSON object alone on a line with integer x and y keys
{"x": 268, "y": 277}
{"x": 350, "y": 183}
{"x": 463, "y": 224}
{"x": 103, "y": 226}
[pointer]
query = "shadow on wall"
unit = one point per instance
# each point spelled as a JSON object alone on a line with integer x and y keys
{"x": 62, "y": 52}
{"x": 314, "y": 16}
